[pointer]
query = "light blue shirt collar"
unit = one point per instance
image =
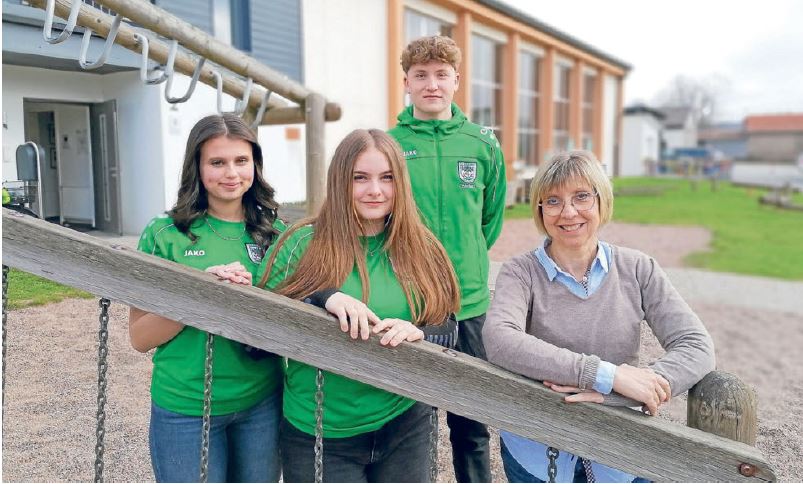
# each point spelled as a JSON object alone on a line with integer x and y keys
{"x": 552, "y": 269}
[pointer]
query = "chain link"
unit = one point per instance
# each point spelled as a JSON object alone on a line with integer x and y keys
{"x": 103, "y": 352}
{"x": 552, "y": 470}
{"x": 319, "y": 426}
{"x": 207, "y": 411}
{"x": 5, "y": 303}
{"x": 433, "y": 445}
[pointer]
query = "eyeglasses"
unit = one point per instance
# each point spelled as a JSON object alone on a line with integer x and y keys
{"x": 581, "y": 201}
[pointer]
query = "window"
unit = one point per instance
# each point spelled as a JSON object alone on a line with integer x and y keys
{"x": 589, "y": 82}
{"x": 241, "y": 24}
{"x": 231, "y": 22}
{"x": 486, "y": 85}
{"x": 418, "y": 25}
{"x": 560, "y": 130}
{"x": 528, "y": 108}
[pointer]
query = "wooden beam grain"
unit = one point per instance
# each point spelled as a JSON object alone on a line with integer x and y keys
{"x": 650, "y": 447}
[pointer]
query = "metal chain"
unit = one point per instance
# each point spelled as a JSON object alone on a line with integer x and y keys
{"x": 103, "y": 352}
{"x": 207, "y": 415}
{"x": 552, "y": 470}
{"x": 319, "y": 426}
{"x": 433, "y": 445}
{"x": 589, "y": 471}
{"x": 5, "y": 303}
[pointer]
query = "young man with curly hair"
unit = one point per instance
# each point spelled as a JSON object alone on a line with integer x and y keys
{"x": 458, "y": 179}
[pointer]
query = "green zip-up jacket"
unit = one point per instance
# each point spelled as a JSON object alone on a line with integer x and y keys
{"x": 457, "y": 171}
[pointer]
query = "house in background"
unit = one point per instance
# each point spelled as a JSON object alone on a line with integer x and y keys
{"x": 680, "y": 128}
{"x": 774, "y": 137}
{"x": 642, "y": 129}
{"x": 729, "y": 139}
{"x": 117, "y": 146}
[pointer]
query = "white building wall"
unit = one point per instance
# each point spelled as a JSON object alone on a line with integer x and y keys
{"x": 348, "y": 66}
{"x": 640, "y": 141}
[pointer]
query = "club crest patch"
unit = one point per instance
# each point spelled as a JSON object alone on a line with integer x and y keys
{"x": 255, "y": 253}
{"x": 467, "y": 172}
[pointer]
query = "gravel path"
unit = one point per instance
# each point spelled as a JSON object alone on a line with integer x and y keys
{"x": 51, "y": 388}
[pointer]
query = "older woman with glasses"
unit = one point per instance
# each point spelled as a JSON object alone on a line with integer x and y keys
{"x": 569, "y": 313}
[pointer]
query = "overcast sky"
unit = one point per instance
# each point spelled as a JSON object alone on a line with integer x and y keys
{"x": 752, "y": 50}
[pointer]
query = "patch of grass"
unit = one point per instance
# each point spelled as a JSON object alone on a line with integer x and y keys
{"x": 25, "y": 290}
{"x": 748, "y": 238}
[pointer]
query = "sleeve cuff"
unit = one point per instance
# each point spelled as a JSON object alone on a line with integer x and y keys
{"x": 604, "y": 381}
{"x": 319, "y": 298}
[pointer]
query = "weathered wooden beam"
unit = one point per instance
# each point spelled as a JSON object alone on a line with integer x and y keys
{"x": 296, "y": 115}
{"x": 279, "y": 111}
{"x": 645, "y": 446}
{"x": 165, "y": 24}
{"x": 100, "y": 23}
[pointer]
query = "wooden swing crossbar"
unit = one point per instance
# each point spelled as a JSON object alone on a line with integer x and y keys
{"x": 313, "y": 109}
{"x": 650, "y": 447}
{"x": 163, "y": 23}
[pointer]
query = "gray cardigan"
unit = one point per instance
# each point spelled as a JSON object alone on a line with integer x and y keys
{"x": 539, "y": 329}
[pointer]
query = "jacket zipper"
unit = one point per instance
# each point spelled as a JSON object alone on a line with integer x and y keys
{"x": 439, "y": 176}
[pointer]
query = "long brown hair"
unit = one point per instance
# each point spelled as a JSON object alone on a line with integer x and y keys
{"x": 418, "y": 259}
{"x": 259, "y": 206}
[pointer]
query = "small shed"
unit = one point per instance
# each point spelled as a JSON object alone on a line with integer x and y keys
{"x": 641, "y": 140}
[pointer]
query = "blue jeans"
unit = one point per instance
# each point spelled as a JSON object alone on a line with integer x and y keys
{"x": 396, "y": 452}
{"x": 243, "y": 446}
{"x": 516, "y": 473}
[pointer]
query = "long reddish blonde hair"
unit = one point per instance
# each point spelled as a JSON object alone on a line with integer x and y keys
{"x": 419, "y": 260}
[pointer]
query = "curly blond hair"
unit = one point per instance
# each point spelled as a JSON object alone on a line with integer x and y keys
{"x": 425, "y": 49}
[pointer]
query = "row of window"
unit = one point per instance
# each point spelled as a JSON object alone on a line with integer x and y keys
{"x": 486, "y": 90}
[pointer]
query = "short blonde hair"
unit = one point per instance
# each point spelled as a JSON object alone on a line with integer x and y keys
{"x": 562, "y": 169}
{"x": 425, "y": 49}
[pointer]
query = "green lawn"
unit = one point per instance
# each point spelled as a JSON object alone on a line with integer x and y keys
{"x": 748, "y": 238}
{"x": 26, "y": 290}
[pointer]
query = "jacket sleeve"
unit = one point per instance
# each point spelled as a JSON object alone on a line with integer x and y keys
{"x": 507, "y": 343}
{"x": 689, "y": 348}
{"x": 444, "y": 334}
{"x": 493, "y": 205}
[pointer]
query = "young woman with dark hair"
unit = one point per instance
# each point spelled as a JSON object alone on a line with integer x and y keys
{"x": 223, "y": 221}
{"x": 368, "y": 243}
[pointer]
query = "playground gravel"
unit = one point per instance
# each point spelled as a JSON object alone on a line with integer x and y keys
{"x": 50, "y": 403}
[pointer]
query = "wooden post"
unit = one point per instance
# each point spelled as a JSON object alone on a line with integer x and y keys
{"x": 316, "y": 154}
{"x": 724, "y": 405}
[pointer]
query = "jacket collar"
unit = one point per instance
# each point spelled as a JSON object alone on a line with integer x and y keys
{"x": 429, "y": 127}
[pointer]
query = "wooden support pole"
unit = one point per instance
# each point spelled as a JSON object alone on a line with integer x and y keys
{"x": 650, "y": 447}
{"x": 724, "y": 405}
{"x": 316, "y": 153}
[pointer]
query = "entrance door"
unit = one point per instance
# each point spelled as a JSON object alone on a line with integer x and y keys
{"x": 74, "y": 154}
{"x": 106, "y": 167}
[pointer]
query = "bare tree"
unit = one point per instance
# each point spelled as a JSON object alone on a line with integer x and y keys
{"x": 702, "y": 96}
